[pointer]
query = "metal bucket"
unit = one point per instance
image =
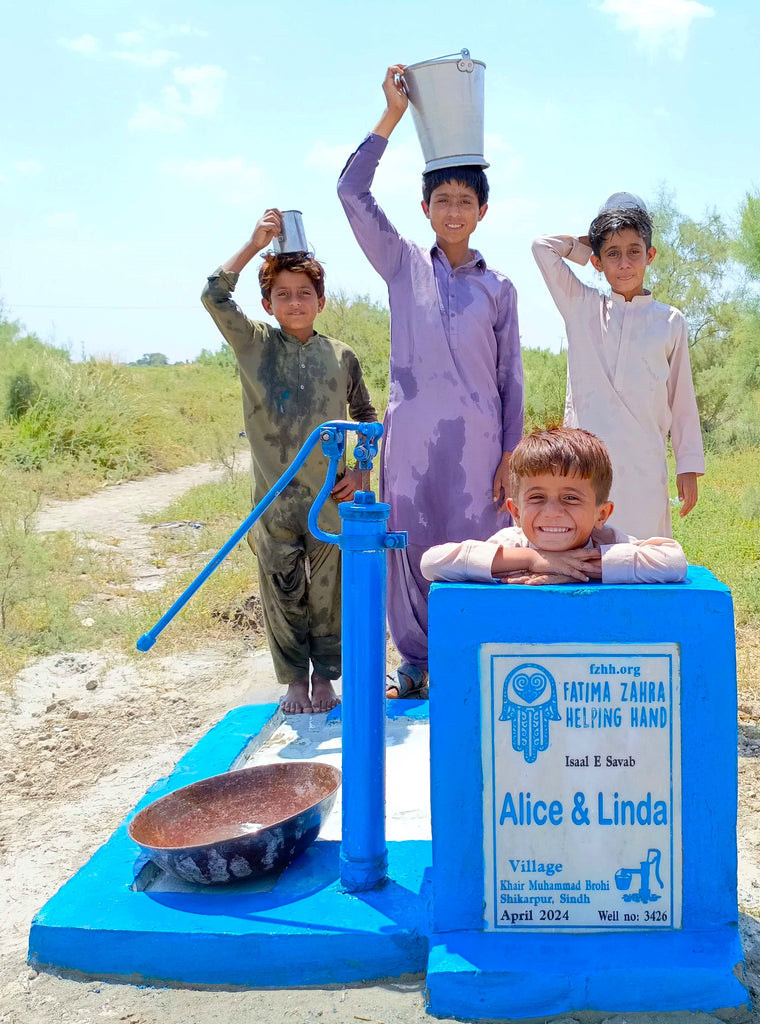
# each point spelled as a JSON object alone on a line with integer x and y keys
{"x": 446, "y": 97}
{"x": 292, "y": 237}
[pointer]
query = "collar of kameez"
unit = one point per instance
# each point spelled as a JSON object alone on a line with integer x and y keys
{"x": 637, "y": 300}
{"x": 297, "y": 341}
{"x": 476, "y": 261}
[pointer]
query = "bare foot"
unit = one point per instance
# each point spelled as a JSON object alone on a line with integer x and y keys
{"x": 295, "y": 700}
{"x": 323, "y": 695}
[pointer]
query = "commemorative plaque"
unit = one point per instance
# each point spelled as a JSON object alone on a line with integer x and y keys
{"x": 582, "y": 786}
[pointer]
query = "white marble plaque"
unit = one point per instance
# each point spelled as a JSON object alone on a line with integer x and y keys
{"x": 582, "y": 786}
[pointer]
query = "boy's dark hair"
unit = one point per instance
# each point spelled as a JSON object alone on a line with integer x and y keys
{"x": 562, "y": 451}
{"x": 298, "y": 263}
{"x": 469, "y": 175}
{"x": 609, "y": 222}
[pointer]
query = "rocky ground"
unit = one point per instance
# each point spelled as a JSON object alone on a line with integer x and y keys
{"x": 83, "y": 735}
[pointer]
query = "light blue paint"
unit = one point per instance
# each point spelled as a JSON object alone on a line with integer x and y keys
{"x": 303, "y": 929}
{"x": 474, "y": 973}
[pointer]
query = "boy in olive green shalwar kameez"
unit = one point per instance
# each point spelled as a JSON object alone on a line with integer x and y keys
{"x": 293, "y": 379}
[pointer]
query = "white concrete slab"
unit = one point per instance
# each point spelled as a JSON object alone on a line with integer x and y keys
{"x": 407, "y": 768}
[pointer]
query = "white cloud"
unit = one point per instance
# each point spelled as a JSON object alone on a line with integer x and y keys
{"x": 28, "y": 168}
{"x": 133, "y": 38}
{"x": 657, "y": 23}
{"x": 240, "y": 182}
{"x": 185, "y": 30}
{"x": 149, "y": 118}
{"x": 86, "y": 44}
{"x": 153, "y": 59}
{"x": 197, "y": 92}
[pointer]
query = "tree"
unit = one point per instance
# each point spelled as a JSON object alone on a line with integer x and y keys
{"x": 151, "y": 359}
{"x": 746, "y": 248}
{"x": 223, "y": 357}
{"x": 365, "y": 326}
{"x": 692, "y": 269}
{"x": 695, "y": 270}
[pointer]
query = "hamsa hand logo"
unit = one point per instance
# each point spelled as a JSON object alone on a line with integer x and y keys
{"x": 530, "y": 703}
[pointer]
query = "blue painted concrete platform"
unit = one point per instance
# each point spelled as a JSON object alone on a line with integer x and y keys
{"x": 481, "y": 975}
{"x": 475, "y": 972}
{"x": 296, "y": 929}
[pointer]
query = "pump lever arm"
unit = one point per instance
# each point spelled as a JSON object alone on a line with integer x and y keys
{"x": 332, "y": 435}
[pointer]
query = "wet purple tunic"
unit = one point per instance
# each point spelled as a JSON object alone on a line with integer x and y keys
{"x": 456, "y": 390}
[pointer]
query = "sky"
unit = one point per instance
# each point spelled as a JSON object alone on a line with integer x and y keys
{"x": 145, "y": 139}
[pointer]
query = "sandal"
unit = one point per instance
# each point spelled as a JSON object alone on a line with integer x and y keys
{"x": 409, "y": 682}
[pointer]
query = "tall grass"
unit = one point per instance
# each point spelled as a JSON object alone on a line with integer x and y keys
{"x": 723, "y": 530}
{"x": 81, "y": 424}
{"x": 46, "y": 581}
{"x": 65, "y": 428}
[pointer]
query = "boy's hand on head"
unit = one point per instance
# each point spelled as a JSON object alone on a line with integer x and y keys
{"x": 267, "y": 226}
{"x": 687, "y": 492}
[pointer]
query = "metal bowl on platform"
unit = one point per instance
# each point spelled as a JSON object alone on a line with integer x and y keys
{"x": 238, "y": 825}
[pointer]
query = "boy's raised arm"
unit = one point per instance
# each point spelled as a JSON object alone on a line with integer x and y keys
{"x": 550, "y": 253}
{"x": 267, "y": 226}
{"x": 217, "y": 292}
{"x": 379, "y": 240}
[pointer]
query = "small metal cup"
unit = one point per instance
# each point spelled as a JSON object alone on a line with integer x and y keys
{"x": 292, "y": 237}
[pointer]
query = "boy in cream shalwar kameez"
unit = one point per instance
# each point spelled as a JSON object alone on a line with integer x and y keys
{"x": 628, "y": 370}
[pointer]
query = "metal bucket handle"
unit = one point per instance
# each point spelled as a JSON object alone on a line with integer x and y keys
{"x": 464, "y": 64}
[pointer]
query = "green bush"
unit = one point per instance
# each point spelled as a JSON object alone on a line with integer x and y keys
{"x": 544, "y": 374}
{"x": 78, "y": 424}
{"x": 366, "y": 327}
{"x": 22, "y": 394}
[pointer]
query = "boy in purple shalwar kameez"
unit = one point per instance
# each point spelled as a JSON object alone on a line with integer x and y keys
{"x": 455, "y": 407}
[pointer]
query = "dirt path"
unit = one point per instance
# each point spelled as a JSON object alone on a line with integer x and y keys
{"x": 112, "y": 515}
{"x": 83, "y": 735}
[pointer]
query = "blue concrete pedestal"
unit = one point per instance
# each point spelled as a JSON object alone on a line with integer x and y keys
{"x": 298, "y": 928}
{"x": 478, "y": 975}
{"x": 692, "y": 959}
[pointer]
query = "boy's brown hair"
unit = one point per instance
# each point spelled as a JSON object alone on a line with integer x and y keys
{"x": 298, "y": 263}
{"x": 562, "y": 451}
